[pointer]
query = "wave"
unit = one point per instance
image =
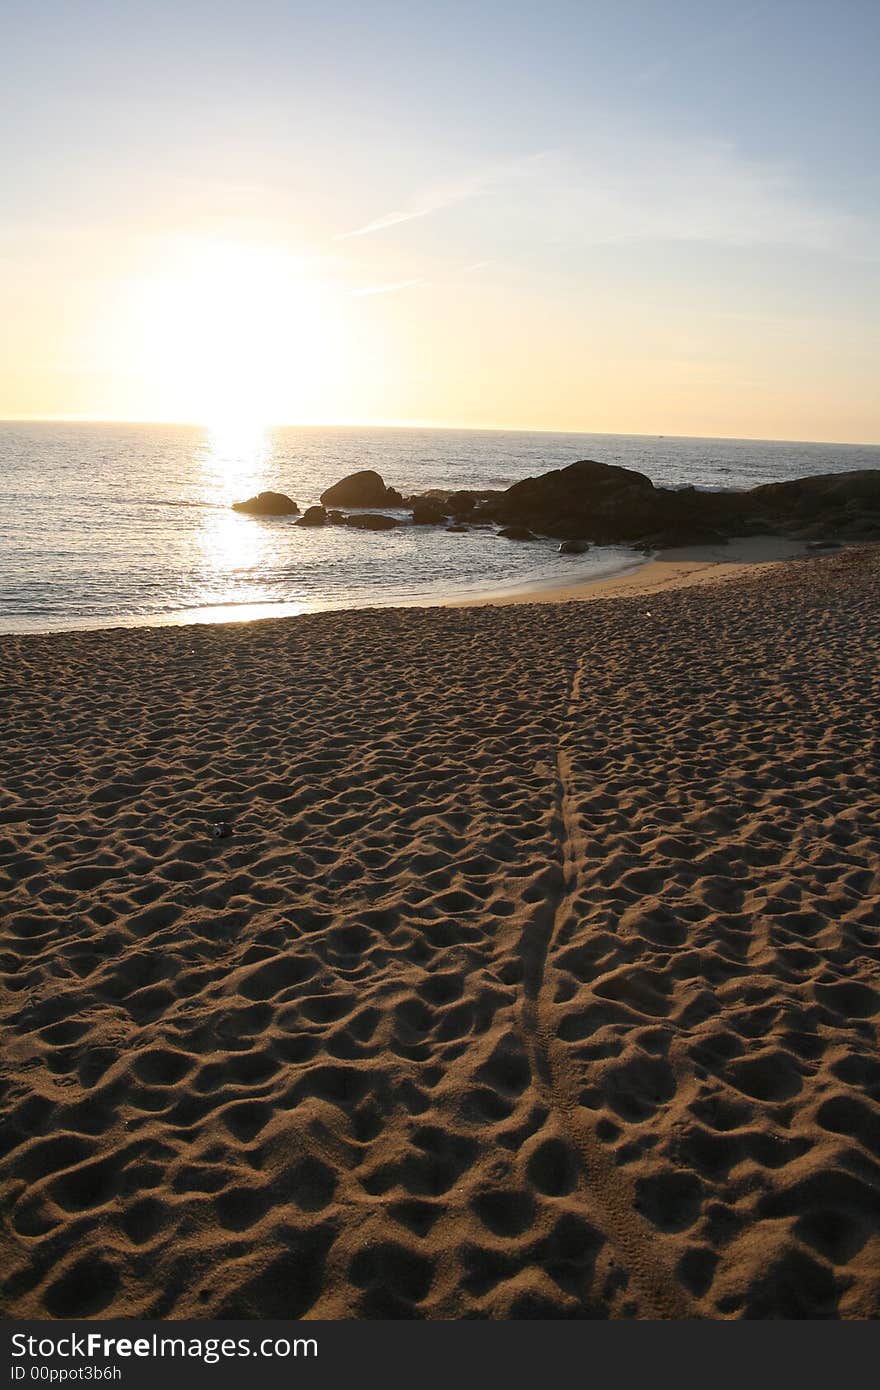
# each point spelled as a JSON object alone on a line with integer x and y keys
{"x": 199, "y": 505}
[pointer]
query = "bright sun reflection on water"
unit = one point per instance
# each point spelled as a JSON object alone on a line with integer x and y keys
{"x": 228, "y": 543}
{"x": 235, "y": 454}
{"x": 234, "y": 457}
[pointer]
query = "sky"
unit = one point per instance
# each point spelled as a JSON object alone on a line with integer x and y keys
{"x": 629, "y": 216}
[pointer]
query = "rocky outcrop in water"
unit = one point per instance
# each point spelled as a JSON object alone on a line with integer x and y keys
{"x": 609, "y": 504}
{"x": 365, "y": 488}
{"x": 462, "y": 504}
{"x": 267, "y": 504}
{"x": 371, "y": 521}
{"x": 428, "y": 512}
{"x": 854, "y": 495}
{"x": 601, "y": 502}
{"x": 313, "y": 516}
{"x": 517, "y": 533}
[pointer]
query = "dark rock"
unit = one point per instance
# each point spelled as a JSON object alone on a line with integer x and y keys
{"x": 335, "y": 518}
{"x": 459, "y": 504}
{"x": 313, "y": 516}
{"x": 457, "y": 529}
{"x": 603, "y": 503}
{"x": 858, "y": 490}
{"x": 586, "y": 500}
{"x": 428, "y": 512}
{"x": 462, "y": 503}
{"x": 561, "y": 502}
{"x": 363, "y": 489}
{"x": 371, "y": 521}
{"x": 606, "y": 503}
{"x": 862, "y": 528}
{"x": 573, "y": 547}
{"x": 837, "y": 506}
{"x": 517, "y": 533}
{"x": 267, "y": 504}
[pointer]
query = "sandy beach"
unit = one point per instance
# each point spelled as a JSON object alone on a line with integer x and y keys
{"x": 665, "y": 569}
{"x": 503, "y": 961}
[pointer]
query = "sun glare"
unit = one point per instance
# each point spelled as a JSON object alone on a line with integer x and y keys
{"x": 235, "y": 454}
{"x": 235, "y": 335}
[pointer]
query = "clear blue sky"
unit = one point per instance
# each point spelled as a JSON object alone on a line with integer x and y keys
{"x": 691, "y": 183}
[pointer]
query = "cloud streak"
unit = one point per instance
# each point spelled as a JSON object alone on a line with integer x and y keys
{"x": 393, "y": 219}
{"x": 448, "y": 195}
{"x": 619, "y": 189}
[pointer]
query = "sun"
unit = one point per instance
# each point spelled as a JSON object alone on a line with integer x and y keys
{"x": 235, "y": 335}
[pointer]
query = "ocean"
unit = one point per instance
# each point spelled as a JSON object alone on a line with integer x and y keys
{"x": 105, "y": 525}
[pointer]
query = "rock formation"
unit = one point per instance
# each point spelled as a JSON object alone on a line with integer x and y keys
{"x": 428, "y": 512}
{"x": 371, "y": 521}
{"x": 517, "y": 533}
{"x": 599, "y": 502}
{"x": 606, "y": 503}
{"x": 313, "y": 516}
{"x": 267, "y": 504}
{"x": 365, "y": 488}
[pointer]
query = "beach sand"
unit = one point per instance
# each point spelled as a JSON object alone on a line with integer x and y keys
{"x": 538, "y": 975}
{"x": 667, "y": 569}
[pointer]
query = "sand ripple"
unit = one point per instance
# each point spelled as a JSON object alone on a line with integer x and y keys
{"x": 538, "y": 976}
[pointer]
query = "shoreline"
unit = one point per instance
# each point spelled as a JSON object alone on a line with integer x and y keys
{"x": 663, "y": 569}
{"x": 673, "y": 568}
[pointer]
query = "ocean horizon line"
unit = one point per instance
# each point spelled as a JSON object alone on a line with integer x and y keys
{"x": 443, "y": 428}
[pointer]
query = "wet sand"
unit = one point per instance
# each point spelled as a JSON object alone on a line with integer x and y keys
{"x": 709, "y": 564}
{"x": 534, "y": 973}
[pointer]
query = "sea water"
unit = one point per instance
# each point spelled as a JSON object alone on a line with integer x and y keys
{"x": 117, "y": 524}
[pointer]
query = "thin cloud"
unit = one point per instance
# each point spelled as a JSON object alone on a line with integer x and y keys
{"x": 435, "y": 200}
{"x": 391, "y": 219}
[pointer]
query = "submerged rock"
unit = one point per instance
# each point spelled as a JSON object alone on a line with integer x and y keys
{"x": 267, "y": 504}
{"x": 573, "y": 547}
{"x": 462, "y": 503}
{"x": 428, "y": 512}
{"x": 517, "y": 533}
{"x": 371, "y": 521}
{"x": 366, "y": 488}
{"x": 313, "y": 516}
